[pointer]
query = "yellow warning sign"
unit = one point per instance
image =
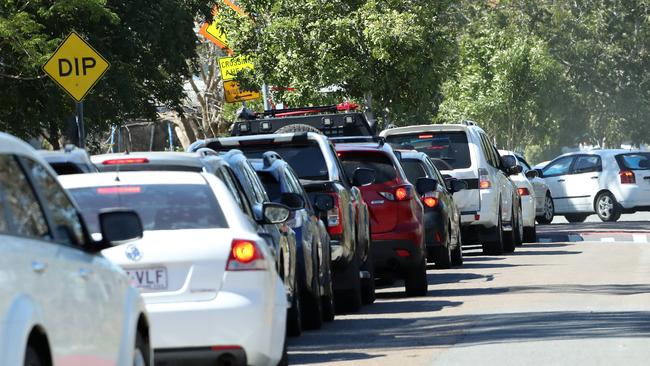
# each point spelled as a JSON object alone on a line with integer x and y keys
{"x": 234, "y": 94}
{"x": 76, "y": 66}
{"x": 215, "y": 33}
{"x": 231, "y": 66}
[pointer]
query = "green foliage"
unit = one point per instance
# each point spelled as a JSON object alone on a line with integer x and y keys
{"x": 147, "y": 44}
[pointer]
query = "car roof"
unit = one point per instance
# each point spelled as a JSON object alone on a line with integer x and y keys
{"x": 154, "y": 157}
{"x": 412, "y": 154}
{"x": 236, "y": 141}
{"x": 128, "y": 178}
{"x": 429, "y": 128}
{"x": 603, "y": 152}
{"x": 363, "y": 146}
{"x": 12, "y": 145}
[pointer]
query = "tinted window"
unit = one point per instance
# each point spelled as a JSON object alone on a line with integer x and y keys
{"x": 380, "y": 163}
{"x": 450, "y": 147}
{"x": 67, "y": 168}
{"x": 19, "y": 201}
{"x": 161, "y": 207}
{"x": 64, "y": 214}
{"x": 636, "y": 161}
{"x": 558, "y": 167}
{"x": 585, "y": 164}
{"x": 306, "y": 160}
{"x": 414, "y": 169}
{"x": 271, "y": 185}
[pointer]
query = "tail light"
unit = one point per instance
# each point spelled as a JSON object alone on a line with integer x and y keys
{"x": 523, "y": 191}
{"x": 334, "y": 221}
{"x": 245, "y": 256}
{"x": 431, "y": 199}
{"x": 401, "y": 193}
{"x": 125, "y": 161}
{"x": 627, "y": 177}
{"x": 484, "y": 179}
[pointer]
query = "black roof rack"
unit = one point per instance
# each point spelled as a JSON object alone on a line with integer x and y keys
{"x": 358, "y": 139}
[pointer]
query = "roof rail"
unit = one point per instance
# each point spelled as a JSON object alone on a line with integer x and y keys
{"x": 357, "y": 139}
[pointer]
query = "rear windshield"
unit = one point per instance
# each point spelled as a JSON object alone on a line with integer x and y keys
{"x": 450, "y": 147}
{"x": 634, "y": 161}
{"x": 161, "y": 207}
{"x": 306, "y": 160}
{"x": 68, "y": 168}
{"x": 414, "y": 169}
{"x": 379, "y": 163}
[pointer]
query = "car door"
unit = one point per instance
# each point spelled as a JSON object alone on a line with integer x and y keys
{"x": 502, "y": 185}
{"x": 92, "y": 289}
{"x": 555, "y": 175}
{"x": 583, "y": 183}
{"x": 539, "y": 186}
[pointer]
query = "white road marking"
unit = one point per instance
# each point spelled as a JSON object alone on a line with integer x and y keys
{"x": 607, "y": 240}
{"x": 640, "y": 238}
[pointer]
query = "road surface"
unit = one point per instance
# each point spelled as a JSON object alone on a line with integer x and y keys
{"x": 580, "y": 297}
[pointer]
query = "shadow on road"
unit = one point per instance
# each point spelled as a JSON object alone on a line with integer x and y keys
{"x": 546, "y": 252}
{"x": 599, "y": 226}
{"x": 296, "y": 358}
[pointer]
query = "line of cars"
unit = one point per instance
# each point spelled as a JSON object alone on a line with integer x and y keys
{"x": 245, "y": 240}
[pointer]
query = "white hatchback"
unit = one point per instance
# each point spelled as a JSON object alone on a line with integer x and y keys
{"x": 605, "y": 182}
{"x": 208, "y": 280}
{"x": 61, "y": 301}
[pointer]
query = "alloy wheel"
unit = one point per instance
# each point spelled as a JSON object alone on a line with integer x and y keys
{"x": 548, "y": 209}
{"x": 605, "y": 206}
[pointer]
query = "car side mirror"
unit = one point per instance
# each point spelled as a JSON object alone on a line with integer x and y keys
{"x": 457, "y": 185}
{"x": 532, "y": 174}
{"x": 363, "y": 177}
{"x": 514, "y": 170}
{"x": 292, "y": 200}
{"x": 119, "y": 226}
{"x": 425, "y": 185}
{"x": 275, "y": 213}
{"x": 323, "y": 202}
{"x": 540, "y": 172}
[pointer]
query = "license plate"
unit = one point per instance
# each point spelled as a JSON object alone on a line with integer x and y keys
{"x": 148, "y": 278}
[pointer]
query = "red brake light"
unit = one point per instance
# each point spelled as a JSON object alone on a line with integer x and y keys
{"x": 523, "y": 191}
{"x": 430, "y": 201}
{"x": 245, "y": 256}
{"x": 125, "y": 161}
{"x": 118, "y": 190}
{"x": 403, "y": 253}
{"x": 401, "y": 194}
{"x": 627, "y": 177}
{"x": 425, "y": 136}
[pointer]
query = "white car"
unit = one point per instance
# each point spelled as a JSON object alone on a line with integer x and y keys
{"x": 533, "y": 192}
{"x": 605, "y": 182}
{"x": 208, "y": 280}
{"x": 61, "y": 301}
{"x": 490, "y": 206}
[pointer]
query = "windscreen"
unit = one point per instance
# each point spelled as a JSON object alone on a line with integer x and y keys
{"x": 451, "y": 147}
{"x": 161, "y": 207}
{"x": 379, "y": 163}
{"x": 634, "y": 161}
{"x": 414, "y": 169}
{"x": 306, "y": 160}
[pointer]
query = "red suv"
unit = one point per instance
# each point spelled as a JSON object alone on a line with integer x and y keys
{"x": 396, "y": 213}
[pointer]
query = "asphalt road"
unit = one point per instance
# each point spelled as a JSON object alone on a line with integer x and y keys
{"x": 583, "y": 301}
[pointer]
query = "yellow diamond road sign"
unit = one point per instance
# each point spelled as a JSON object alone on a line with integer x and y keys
{"x": 76, "y": 66}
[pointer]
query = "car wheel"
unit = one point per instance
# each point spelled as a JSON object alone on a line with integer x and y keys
{"x": 141, "y": 352}
{"x": 31, "y": 357}
{"x": 312, "y": 316}
{"x": 294, "y": 314}
{"x": 519, "y": 234}
{"x": 511, "y": 238}
{"x": 575, "y": 218}
{"x": 457, "y": 253}
{"x": 416, "y": 283}
{"x": 329, "y": 308}
{"x": 368, "y": 295}
{"x": 299, "y": 127}
{"x": 549, "y": 211}
{"x": 530, "y": 234}
{"x": 442, "y": 253}
{"x": 495, "y": 247}
{"x": 349, "y": 300}
{"x": 607, "y": 208}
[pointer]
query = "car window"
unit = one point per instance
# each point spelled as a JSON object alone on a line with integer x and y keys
{"x": 379, "y": 163}
{"x": 634, "y": 161}
{"x": 307, "y": 160}
{"x": 271, "y": 185}
{"x": 63, "y": 212}
{"x": 558, "y": 167}
{"x": 524, "y": 164}
{"x": 436, "y": 175}
{"x": 486, "y": 150}
{"x": 449, "y": 146}
{"x": 232, "y": 187}
{"x": 19, "y": 201}
{"x": 160, "y": 206}
{"x": 259, "y": 191}
{"x": 586, "y": 164}
{"x": 414, "y": 169}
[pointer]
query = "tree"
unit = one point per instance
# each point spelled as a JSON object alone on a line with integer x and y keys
{"x": 147, "y": 44}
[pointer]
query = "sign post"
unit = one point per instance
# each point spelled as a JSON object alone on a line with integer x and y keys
{"x": 76, "y": 67}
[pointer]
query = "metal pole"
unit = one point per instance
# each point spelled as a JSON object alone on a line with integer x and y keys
{"x": 80, "y": 124}
{"x": 265, "y": 96}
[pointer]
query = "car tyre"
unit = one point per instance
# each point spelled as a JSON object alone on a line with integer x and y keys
{"x": 299, "y": 127}
{"x": 294, "y": 315}
{"x": 416, "y": 283}
{"x": 31, "y": 357}
{"x": 368, "y": 295}
{"x": 349, "y": 300}
{"x": 495, "y": 247}
{"x": 607, "y": 207}
{"x": 549, "y": 211}
{"x": 457, "y": 253}
{"x": 530, "y": 234}
{"x": 142, "y": 351}
{"x": 312, "y": 317}
{"x": 327, "y": 299}
{"x": 575, "y": 218}
{"x": 442, "y": 253}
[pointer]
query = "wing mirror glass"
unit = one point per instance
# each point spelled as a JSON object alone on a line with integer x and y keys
{"x": 292, "y": 200}
{"x": 119, "y": 226}
{"x": 275, "y": 213}
{"x": 425, "y": 185}
{"x": 323, "y": 202}
{"x": 457, "y": 185}
{"x": 532, "y": 174}
{"x": 363, "y": 177}
{"x": 540, "y": 172}
{"x": 514, "y": 170}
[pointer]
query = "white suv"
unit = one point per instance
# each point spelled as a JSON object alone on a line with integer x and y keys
{"x": 464, "y": 151}
{"x": 605, "y": 182}
{"x": 61, "y": 301}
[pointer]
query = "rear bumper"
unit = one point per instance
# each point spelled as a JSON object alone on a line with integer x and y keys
{"x": 408, "y": 238}
{"x": 632, "y": 197}
{"x": 528, "y": 210}
{"x": 434, "y": 223}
